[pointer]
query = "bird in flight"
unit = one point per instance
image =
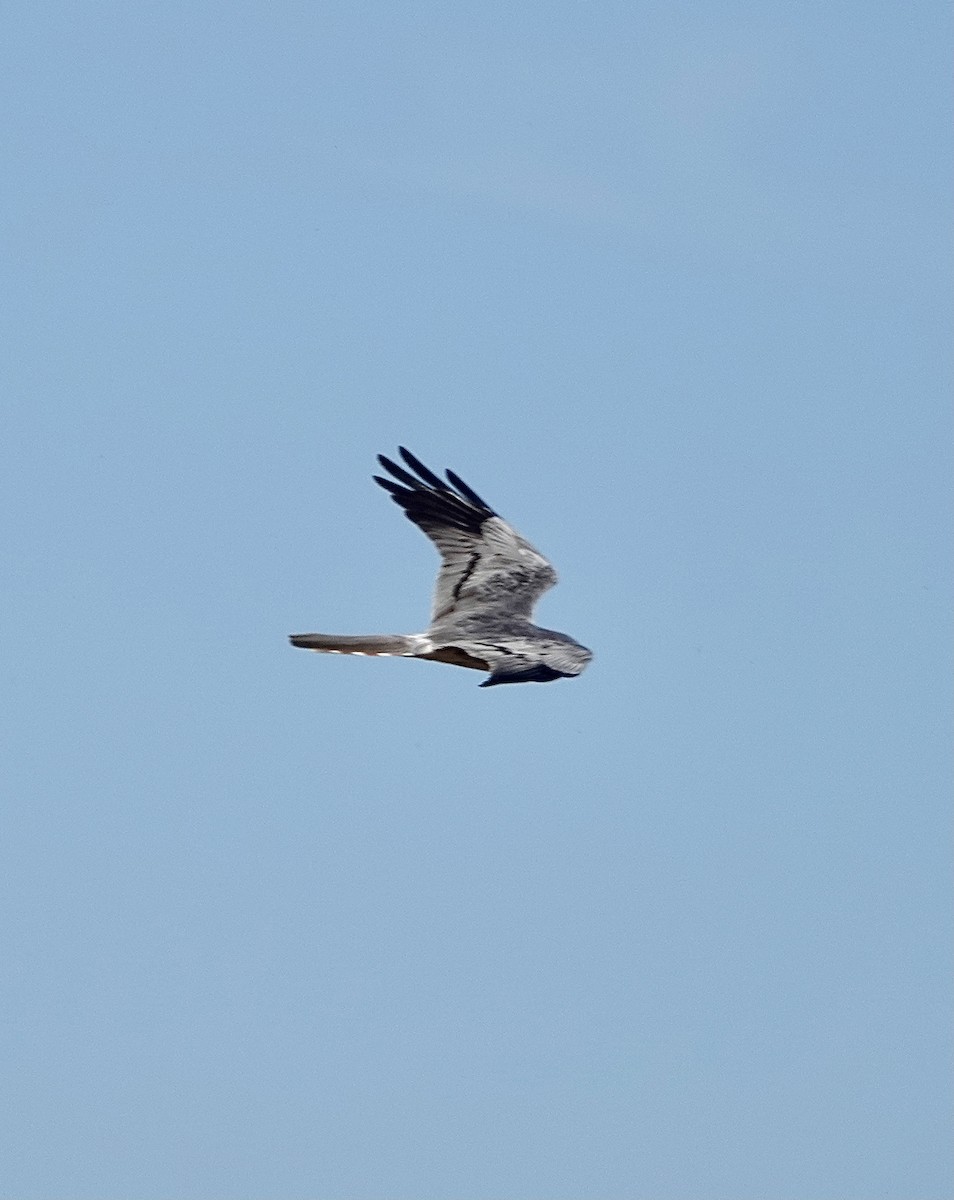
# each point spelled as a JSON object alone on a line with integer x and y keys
{"x": 490, "y": 578}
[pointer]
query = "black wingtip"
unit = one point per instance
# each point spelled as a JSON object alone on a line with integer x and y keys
{"x": 399, "y": 473}
{"x": 426, "y": 498}
{"x": 467, "y": 492}
{"x": 388, "y": 484}
{"x": 538, "y": 673}
{"x": 425, "y": 473}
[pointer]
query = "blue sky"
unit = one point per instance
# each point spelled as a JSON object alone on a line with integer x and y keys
{"x": 669, "y": 285}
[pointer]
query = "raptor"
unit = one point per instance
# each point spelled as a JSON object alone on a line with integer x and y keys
{"x": 489, "y": 581}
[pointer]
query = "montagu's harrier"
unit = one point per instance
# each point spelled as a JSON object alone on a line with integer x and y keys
{"x": 490, "y": 579}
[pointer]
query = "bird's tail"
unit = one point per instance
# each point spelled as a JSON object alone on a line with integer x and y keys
{"x": 409, "y": 645}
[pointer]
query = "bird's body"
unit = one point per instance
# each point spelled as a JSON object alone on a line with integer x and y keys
{"x": 489, "y": 581}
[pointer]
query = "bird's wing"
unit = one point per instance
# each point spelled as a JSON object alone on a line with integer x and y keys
{"x": 487, "y": 568}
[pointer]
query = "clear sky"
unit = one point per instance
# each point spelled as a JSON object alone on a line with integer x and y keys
{"x": 669, "y": 285}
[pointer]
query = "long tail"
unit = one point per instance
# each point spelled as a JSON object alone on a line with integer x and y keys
{"x": 409, "y": 645}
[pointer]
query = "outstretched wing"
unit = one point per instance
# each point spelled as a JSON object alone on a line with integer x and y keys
{"x": 487, "y": 567}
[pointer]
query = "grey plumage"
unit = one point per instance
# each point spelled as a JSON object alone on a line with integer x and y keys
{"x": 489, "y": 581}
